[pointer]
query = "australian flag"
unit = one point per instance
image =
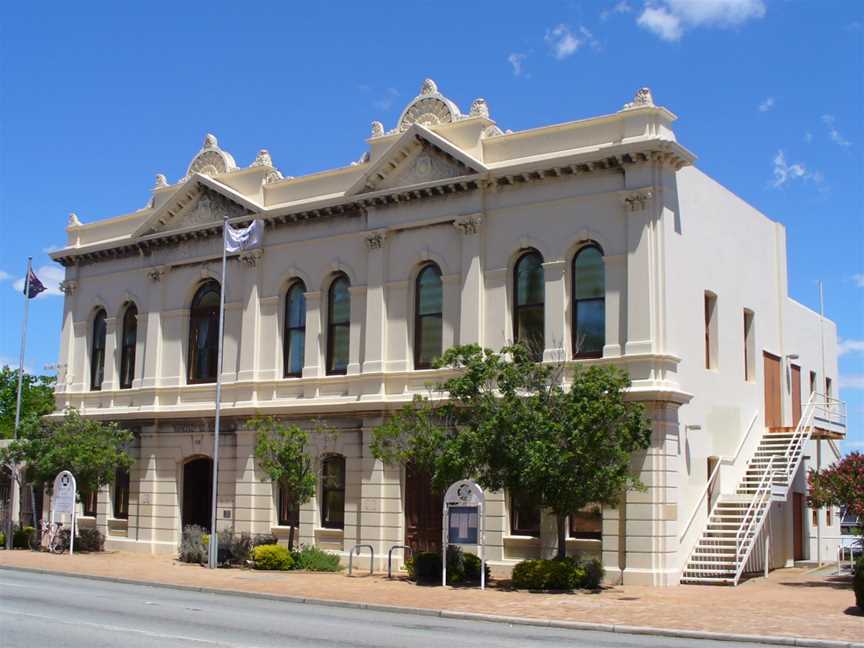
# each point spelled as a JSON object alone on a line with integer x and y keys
{"x": 33, "y": 285}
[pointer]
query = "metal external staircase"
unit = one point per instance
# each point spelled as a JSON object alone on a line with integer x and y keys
{"x": 736, "y": 519}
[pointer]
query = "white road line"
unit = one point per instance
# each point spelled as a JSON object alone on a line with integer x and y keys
{"x": 146, "y": 633}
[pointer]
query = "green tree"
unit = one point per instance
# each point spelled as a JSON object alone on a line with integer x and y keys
{"x": 92, "y": 450}
{"x": 839, "y": 485}
{"x": 511, "y": 423}
{"x": 37, "y": 399}
{"x": 281, "y": 453}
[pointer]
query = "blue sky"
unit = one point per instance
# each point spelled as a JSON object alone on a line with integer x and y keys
{"x": 96, "y": 98}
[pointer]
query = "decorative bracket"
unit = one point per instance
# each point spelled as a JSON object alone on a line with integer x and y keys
{"x": 251, "y": 257}
{"x": 68, "y": 287}
{"x": 469, "y": 224}
{"x": 156, "y": 274}
{"x": 637, "y": 200}
{"x": 375, "y": 240}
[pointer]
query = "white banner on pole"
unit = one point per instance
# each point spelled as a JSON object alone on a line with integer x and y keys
{"x": 63, "y": 501}
{"x": 464, "y": 522}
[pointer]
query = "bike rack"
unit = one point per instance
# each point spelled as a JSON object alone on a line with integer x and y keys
{"x": 390, "y": 557}
{"x": 357, "y": 548}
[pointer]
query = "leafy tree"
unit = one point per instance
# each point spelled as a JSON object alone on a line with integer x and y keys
{"x": 282, "y": 455}
{"x": 511, "y": 423}
{"x": 37, "y": 398}
{"x": 839, "y": 485}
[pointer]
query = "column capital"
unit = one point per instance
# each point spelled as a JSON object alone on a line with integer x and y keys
{"x": 156, "y": 274}
{"x": 469, "y": 223}
{"x": 68, "y": 287}
{"x": 251, "y": 257}
{"x": 636, "y": 199}
{"x": 375, "y": 240}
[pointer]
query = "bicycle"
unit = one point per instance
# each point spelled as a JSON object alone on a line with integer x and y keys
{"x": 52, "y": 538}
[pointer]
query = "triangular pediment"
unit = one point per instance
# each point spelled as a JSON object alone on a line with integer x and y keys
{"x": 197, "y": 203}
{"x": 419, "y": 156}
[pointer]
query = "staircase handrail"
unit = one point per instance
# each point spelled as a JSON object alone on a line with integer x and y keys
{"x": 795, "y": 449}
{"x": 753, "y": 519}
{"x": 713, "y": 476}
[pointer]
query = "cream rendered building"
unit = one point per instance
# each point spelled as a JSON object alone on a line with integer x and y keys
{"x": 423, "y": 238}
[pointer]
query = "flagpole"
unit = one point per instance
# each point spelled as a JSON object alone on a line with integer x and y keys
{"x": 13, "y": 486}
{"x": 213, "y": 553}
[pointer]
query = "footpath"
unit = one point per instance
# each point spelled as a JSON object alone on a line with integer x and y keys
{"x": 790, "y": 604}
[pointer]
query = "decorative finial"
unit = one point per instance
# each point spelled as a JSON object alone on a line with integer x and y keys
{"x": 377, "y": 129}
{"x": 428, "y": 87}
{"x": 210, "y": 141}
{"x": 73, "y": 221}
{"x": 161, "y": 181}
{"x": 641, "y": 98}
{"x": 479, "y": 108}
{"x": 262, "y": 159}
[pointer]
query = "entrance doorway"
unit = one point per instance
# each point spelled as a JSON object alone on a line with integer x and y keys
{"x": 197, "y": 492}
{"x": 798, "y": 526}
{"x": 773, "y": 394}
{"x": 423, "y": 511}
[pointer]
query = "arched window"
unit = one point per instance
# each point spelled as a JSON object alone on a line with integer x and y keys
{"x": 127, "y": 346}
{"x": 428, "y": 318}
{"x": 528, "y": 292}
{"x": 338, "y": 325}
{"x": 333, "y": 492}
{"x": 97, "y": 351}
{"x": 294, "y": 341}
{"x": 204, "y": 334}
{"x": 589, "y": 303}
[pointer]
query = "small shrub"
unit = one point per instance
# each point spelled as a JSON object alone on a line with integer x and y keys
{"x": 273, "y": 557}
{"x": 424, "y": 567}
{"x": 2, "y": 540}
{"x": 22, "y": 538}
{"x": 264, "y": 539}
{"x": 90, "y": 540}
{"x": 558, "y": 574}
{"x": 237, "y": 546}
{"x": 858, "y": 583}
{"x": 472, "y": 569}
{"x": 314, "y": 559}
{"x": 193, "y": 544}
{"x": 455, "y": 565}
{"x": 593, "y": 574}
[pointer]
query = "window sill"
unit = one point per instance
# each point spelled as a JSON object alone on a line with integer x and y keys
{"x": 522, "y": 538}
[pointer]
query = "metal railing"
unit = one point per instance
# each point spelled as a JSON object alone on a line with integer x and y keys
{"x": 356, "y": 548}
{"x": 754, "y": 518}
{"x": 404, "y": 548}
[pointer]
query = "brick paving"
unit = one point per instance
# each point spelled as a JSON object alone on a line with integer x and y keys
{"x": 790, "y": 602}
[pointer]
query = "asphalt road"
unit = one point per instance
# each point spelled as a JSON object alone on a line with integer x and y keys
{"x": 43, "y": 610}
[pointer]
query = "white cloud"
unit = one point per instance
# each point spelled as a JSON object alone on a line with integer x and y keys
{"x": 858, "y": 279}
{"x": 385, "y": 102}
{"x": 564, "y": 42}
{"x": 619, "y": 8}
{"x": 833, "y": 133}
{"x": 49, "y": 275}
{"x": 517, "y": 60}
{"x": 851, "y": 381}
{"x": 4, "y": 276}
{"x": 784, "y": 172}
{"x": 850, "y": 346}
{"x": 52, "y": 248}
{"x": 766, "y": 105}
{"x": 668, "y": 19}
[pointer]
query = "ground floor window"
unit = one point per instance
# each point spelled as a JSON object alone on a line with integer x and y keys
{"x": 333, "y": 492}
{"x": 289, "y": 508}
{"x": 121, "y": 495}
{"x": 587, "y": 524}
{"x": 88, "y": 502}
{"x": 524, "y": 516}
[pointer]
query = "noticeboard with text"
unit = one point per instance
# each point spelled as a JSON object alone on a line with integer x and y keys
{"x": 464, "y": 524}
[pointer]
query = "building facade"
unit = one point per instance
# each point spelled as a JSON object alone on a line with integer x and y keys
{"x": 597, "y": 240}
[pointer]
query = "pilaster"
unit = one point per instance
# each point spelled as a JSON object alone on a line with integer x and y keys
{"x": 639, "y": 206}
{"x": 358, "y": 308}
{"x": 312, "y": 351}
{"x": 616, "y": 300}
{"x": 471, "y": 304}
{"x": 553, "y": 320}
{"x": 375, "y": 338}
{"x": 110, "y": 380}
{"x": 150, "y": 343}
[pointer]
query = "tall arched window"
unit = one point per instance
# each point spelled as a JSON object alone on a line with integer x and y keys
{"x": 333, "y": 492}
{"x": 528, "y": 291}
{"x": 428, "y": 317}
{"x": 589, "y": 303}
{"x": 204, "y": 334}
{"x": 97, "y": 351}
{"x": 294, "y": 341}
{"x": 128, "y": 340}
{"x": 338, "y": 325}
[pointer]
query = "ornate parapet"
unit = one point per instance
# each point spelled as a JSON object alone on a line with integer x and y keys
{"x": 469, "y": 224}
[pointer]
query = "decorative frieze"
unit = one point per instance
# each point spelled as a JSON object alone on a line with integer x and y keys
{"x": 469, "y": 224}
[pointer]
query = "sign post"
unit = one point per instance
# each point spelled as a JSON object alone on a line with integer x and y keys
{"x": 63, "y": 501}
{"x": 464, "y": 522}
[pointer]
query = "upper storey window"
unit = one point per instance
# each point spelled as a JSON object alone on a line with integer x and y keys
{"x": 428, "y": 317}
{"x": 97, "y": 351}
{"x": 295, "y": 330}
{"x": 127, "y": 346}
{"x": 589, "y": 303}
{"x": 338, "y": 325}
{"x": 528, "y": 293}
{"x": 204, "y": 334}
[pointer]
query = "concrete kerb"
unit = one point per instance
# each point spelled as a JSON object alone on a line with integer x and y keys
{"x": 466, "y": 616}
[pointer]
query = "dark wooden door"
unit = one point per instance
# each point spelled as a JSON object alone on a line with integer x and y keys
{"x": 197, "y": 492}
{"x": 423, "y": 511}
{"x": 796, "y": 395}
{"x": 798, "y": 526}
{"x": 773, "y": 415}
